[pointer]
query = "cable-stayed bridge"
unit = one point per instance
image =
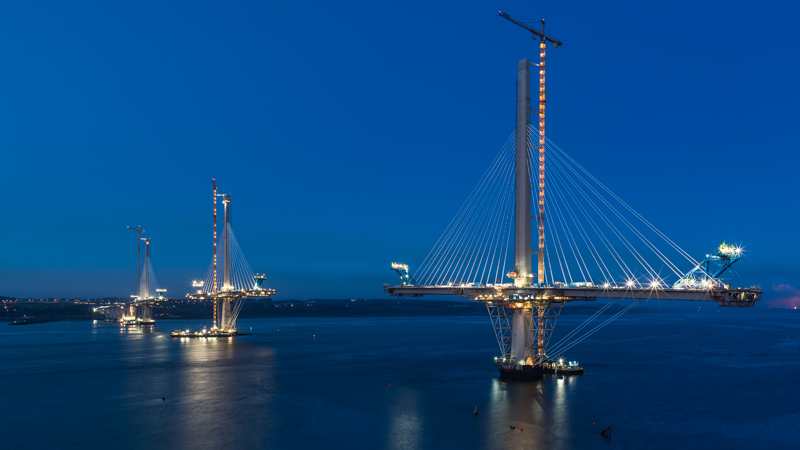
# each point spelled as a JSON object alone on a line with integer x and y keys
{"x": 591, "y": 245}
{"x": 139, "y": 311}
{"x": 229, "y": 280}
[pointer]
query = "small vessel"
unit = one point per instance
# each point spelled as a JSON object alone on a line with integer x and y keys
{"x": 560, "y": 367}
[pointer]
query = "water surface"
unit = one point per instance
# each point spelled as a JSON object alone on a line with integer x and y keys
{"x": 684, "y": 379}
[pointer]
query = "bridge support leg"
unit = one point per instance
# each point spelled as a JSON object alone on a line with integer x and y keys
{"x": 520, "y": 326}
{"x": 501, "y": 322}
{"x": 146, "y": 312}
{"x": 226, "y": 314}
{"x": 218, "y": 313}
{"x": 541, "y": 330}
{"x": 523, "y": 335}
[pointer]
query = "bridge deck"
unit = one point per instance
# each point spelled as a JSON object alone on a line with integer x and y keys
{"x": 744, "y": 297}
{"x": 232, "y": 294}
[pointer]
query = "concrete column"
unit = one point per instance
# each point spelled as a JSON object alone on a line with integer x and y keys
{"x": 226, "y": 313}
{"x": 520, "y": 324}
{"x": 226, "y": 201}
{"x": 522, "y": 219}
{"x": 218, "y": 321}
{"x": 146, "y": 291}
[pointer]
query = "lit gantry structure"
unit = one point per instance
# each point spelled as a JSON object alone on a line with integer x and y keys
{"x": 229, "y": 280}
{"x": 590, "y": 245}
{"x": 139, "y": 311}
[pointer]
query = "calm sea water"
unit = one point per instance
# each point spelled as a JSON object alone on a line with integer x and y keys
{"x": 684, "y": 379}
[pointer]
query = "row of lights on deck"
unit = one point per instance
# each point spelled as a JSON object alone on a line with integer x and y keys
{"x": 654, "y": 284}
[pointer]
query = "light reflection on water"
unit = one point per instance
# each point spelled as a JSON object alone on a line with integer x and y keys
{"x": 539, "y": 411}
{"x": 326, "y": 384}
{"x": 405, "y": 421}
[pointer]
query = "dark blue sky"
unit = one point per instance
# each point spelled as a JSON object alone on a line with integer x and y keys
{"x": 350, "y": 133}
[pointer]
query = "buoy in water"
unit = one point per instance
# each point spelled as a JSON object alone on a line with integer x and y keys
{"x": 476, "y": 411}
{"x": 163, "y": 398}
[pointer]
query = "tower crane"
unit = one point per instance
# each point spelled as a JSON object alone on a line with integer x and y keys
{"x": 542, "y": 48}
{"x": 402, "y": 270}
{"x": 556, "y": 43}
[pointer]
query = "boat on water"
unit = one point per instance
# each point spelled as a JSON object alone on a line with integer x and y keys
{"x": 562, "y": 367}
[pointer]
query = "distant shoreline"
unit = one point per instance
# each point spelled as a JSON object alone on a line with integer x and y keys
{"x": 36, "y": 312}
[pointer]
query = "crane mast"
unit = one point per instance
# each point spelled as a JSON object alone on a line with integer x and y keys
{"x": 214, "y": 272}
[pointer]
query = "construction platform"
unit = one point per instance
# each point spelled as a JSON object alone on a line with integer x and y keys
{"x": 206, "y": 334}
{"x": 535, "y": 372}
{"x": 138, "y": 322}
{"x": 519, "y": 371}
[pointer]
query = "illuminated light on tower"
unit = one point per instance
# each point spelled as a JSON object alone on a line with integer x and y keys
{"x": 214, "y": 272}
{"x": 542, "y": 48}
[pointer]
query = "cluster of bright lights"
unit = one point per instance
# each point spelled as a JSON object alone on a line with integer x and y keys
{"x": 197, "y": 285}
{"x": 730, "y": 249}
{"x": 399, "y": 266}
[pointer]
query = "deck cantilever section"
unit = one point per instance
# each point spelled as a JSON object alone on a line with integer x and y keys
{"x": 734, "y": 297}
{"x": 232, "y": 294}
